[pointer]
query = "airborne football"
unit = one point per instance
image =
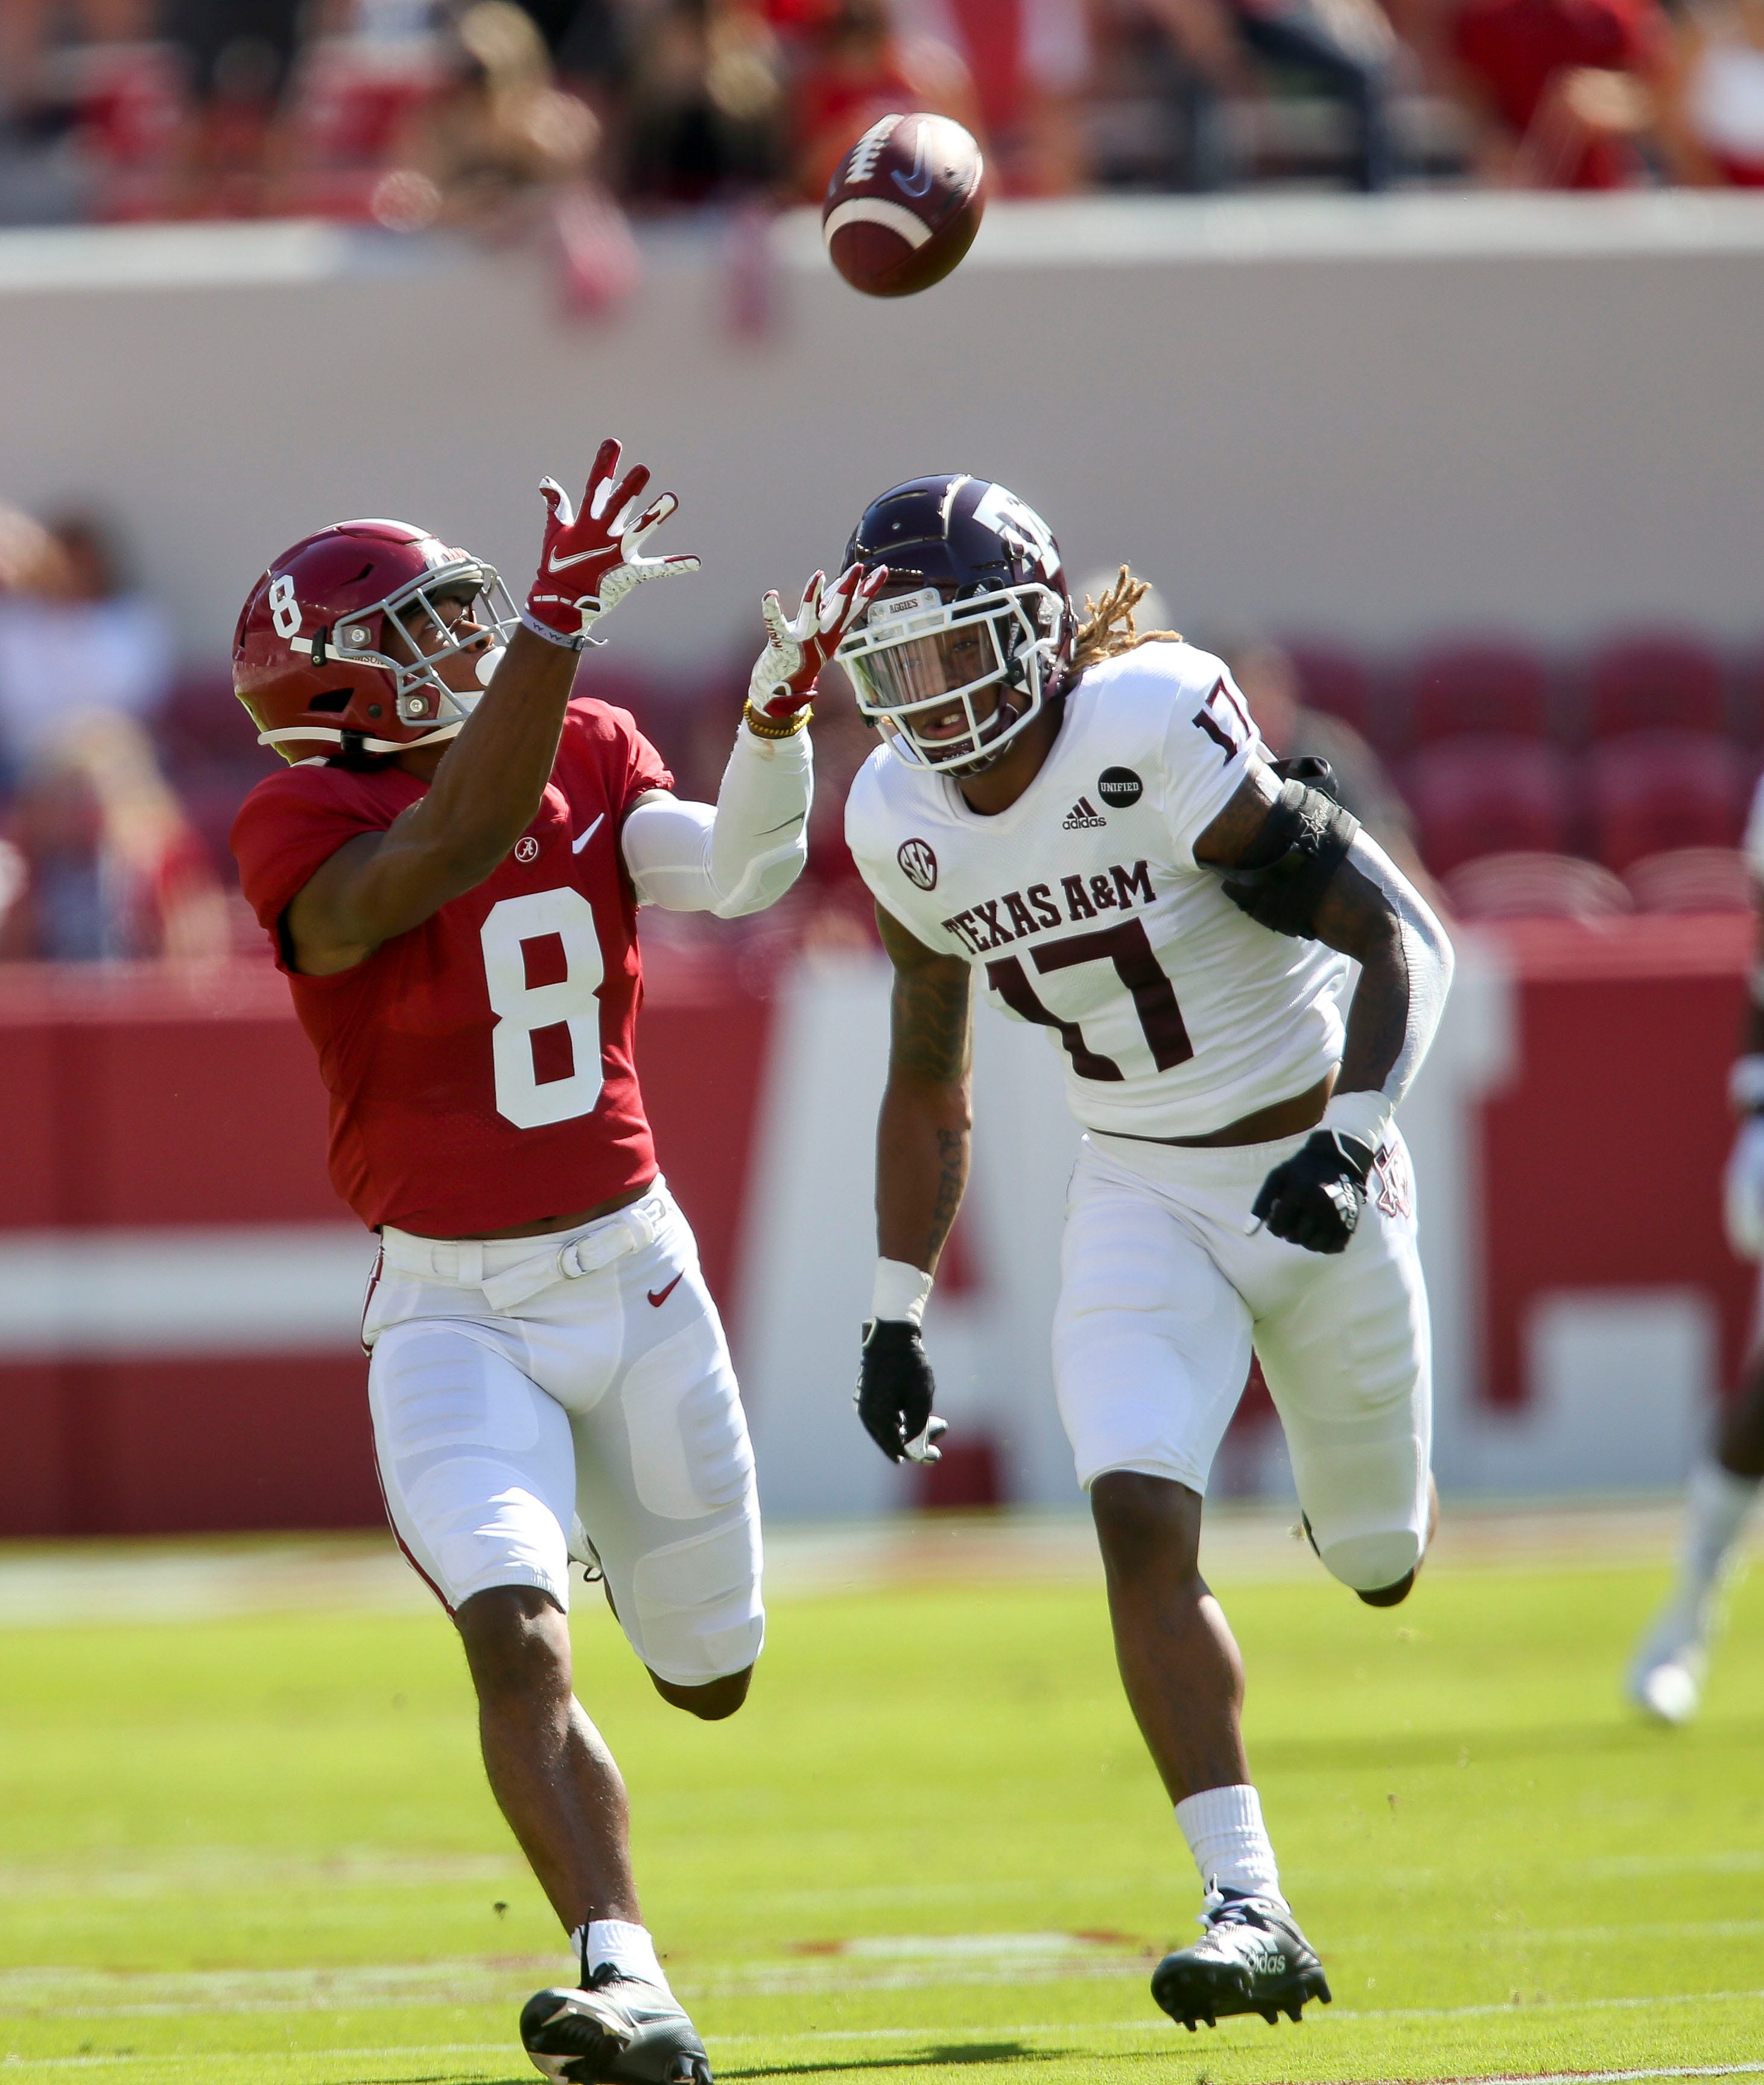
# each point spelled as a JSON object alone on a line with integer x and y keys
{"x": 882, "y": 1169}
{"x": 903, "y": 206}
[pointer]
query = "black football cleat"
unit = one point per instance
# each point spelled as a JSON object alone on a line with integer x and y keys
{"x": 1251, "y": 1958}
{"x": 614, "y": 2031}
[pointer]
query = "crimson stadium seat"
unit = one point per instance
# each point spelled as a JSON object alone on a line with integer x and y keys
{"x": 1651, "y": 791}
{"x": 1479, "y": 796}
{"x": 1495, "y": 685}
{"x": 1654, "y": 680}
{"x": 352, "y": 97}
{"x": 1336, "y": 682}
{"x": 1691, "y": 880}
{"x": 1535, "y": 886}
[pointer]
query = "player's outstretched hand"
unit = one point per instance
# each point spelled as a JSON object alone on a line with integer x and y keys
{"x": 797, "y": 647}
{"x": 590, "y": 561}
{"x": 1314, "y": 1198}
{"x": 895, "y": 1390}
{"x": 1743, "y": 1191}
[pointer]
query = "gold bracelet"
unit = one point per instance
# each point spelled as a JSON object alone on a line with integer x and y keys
{"x": 763, "y": 726}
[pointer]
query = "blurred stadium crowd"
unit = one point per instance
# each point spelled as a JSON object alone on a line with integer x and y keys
{"x": 498, "y": 117}
{"x": 1523, "y": 783}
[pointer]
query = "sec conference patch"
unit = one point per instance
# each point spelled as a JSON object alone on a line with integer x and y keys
{"x": 918, "y": 864}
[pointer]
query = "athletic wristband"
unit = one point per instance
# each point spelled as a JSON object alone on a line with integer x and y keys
{"x": 1745, "y": 1084}
{"x": 1365, "y": 1116}
{"x": 578, "y": 643}
{"x": 901, "y": 1292}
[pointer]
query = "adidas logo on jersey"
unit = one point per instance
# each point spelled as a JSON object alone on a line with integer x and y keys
{"x": 1083, "y": 812}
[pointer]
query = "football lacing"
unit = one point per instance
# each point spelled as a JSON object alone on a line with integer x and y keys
{"x": 868, "y": 149}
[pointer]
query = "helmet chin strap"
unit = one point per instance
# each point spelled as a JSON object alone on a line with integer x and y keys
{"x": 328, "y": 735}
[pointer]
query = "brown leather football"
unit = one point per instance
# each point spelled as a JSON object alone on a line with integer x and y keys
{"x": 903, "y": 205}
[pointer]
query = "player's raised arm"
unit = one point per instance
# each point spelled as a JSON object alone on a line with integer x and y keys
{"x": 1303, "y": 866}
{"x": 487, "y": 789}
{"x": 921, "y": 1168}
{"x": 745, "y": 853}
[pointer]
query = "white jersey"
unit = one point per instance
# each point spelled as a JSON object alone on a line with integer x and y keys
{"x": 1083, "y": 909}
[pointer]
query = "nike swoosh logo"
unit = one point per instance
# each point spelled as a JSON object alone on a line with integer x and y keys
{"x": 920, "y": 182}
{"x": 557, "y": 564}
{"x": 658, "y": 1296}
{"x": 577, "y": 844}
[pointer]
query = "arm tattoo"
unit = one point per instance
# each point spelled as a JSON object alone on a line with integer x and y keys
{"x": 931, "y": 1023}
{"x": 932, "y": 1008}
{"x": 952, "y": 1177}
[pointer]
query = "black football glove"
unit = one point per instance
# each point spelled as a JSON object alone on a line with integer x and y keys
{"x": 895, "y": 1389}
{"x": 1314, "y": 1198}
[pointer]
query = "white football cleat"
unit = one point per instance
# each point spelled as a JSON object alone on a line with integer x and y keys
{"x": 1666, "y": 1681}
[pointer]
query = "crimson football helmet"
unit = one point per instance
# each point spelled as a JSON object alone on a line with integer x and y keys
{"x": 976, "y": 597}
{"x": 310, "y": 661}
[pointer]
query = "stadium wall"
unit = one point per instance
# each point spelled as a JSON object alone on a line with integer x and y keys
{"x": 180, "y": 1292}
{"x": 1384, "y": 416}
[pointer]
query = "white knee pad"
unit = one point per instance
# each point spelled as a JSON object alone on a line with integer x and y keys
{"x": 1369, "y": 1563}
{"x": 697, "y": 1610}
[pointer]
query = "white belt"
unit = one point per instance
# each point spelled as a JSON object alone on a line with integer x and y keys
{"x": 459, "y": 1262}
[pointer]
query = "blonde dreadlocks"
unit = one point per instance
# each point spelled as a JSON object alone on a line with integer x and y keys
{"x": 1108, "y": 628}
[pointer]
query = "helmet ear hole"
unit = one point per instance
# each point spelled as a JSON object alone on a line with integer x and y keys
{"x": 332, "y": 700}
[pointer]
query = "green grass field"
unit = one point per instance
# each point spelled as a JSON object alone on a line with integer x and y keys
{"x": 256, "y": 1846}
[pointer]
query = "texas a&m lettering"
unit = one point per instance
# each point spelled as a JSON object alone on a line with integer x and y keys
{"x": 1020, "y": 914}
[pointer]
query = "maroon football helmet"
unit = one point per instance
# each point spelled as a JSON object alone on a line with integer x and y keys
{"x": 310, "y": 661}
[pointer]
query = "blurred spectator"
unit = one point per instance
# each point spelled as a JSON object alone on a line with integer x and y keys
{"x": 102, "y": 861}
{"x": 589, "y": 41}
{"x": 1564, "y": 89}
{"x": 74, "y": 637}
{"x": 1265, "y": 674}
{"x": 856, "y": 68}
{"x": 1712, "y": 116}
{"x": 237, "y": 58}
{"x": 30, "y": 558}
{"x": 1344, "y": 47}
{"x": 497, "y": 139}
{"x": 1031, "y": 63}
{"x": 705, "y": 115}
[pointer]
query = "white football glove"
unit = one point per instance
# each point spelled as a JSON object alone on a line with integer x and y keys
{"x": 1743, "y": 1190}
{"x": 797, "y": 647}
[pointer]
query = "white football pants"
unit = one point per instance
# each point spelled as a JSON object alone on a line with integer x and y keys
{"x": 1163, "y": 1295}
{"x": 583, "y": 1407}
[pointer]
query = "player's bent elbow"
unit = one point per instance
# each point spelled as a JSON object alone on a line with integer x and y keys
{"x": 762, "y": 886}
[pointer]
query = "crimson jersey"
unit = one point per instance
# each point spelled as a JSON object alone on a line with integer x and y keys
{"x": 481, "y": 1066}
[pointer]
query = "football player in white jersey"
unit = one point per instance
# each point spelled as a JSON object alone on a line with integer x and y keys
{"x": 1666, "y": 1675}
{"x": 1087, "y": 819}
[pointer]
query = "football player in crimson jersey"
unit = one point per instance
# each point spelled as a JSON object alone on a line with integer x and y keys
{"x": 1087, "y": 818}
{"x": 450, "y": 870}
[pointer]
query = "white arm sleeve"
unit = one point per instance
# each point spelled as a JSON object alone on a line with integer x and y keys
{"x": 739, "y": 857}
{"x": 1429, "y": 960}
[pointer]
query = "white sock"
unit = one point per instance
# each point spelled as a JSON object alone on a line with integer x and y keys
{"x": 1224, "y": 1833}
{"x": 629, "y": 1948}
{"x": 1716, "y": 1505}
